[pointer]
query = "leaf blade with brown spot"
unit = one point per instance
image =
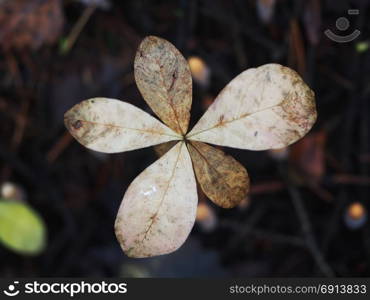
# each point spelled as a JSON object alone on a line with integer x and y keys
{"x": 222, "y": 178}
{"x": 163, "y": 77}
{"x": 110, "y": 126}
{"x": 158, "y": 209}
{"x": 268, "y": 107}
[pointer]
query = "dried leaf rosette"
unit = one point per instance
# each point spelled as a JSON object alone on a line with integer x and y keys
{"x": 262, "y": 108}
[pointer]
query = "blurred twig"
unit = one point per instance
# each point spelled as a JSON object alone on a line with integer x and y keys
{"x": 350, "y": 179}
{"x": 20, "y": 121}
{"x": 297, "y": 50}
{"x": 266, "y": 187}
{"x": 306, "y": 226}
{"x": 307, "y": 231}
{"x": 77, "y": 28}
{"x": 20, "y": 124}
{"x": 273, "y": 237}
{"x": 59, "y": 147}
{"x": 347, "y": 141}
{"x": 251, "y": 33}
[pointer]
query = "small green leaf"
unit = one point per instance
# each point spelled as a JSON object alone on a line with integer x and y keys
{"x": 63, "y": 46}
{"x": 362, "y": 47}
{"x": 21, "y": 228}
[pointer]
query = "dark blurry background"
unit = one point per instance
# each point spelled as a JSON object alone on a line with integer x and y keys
{"x": 307, "y": 211}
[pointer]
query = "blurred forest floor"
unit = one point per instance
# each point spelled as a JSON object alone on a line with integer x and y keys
{"x": 307, "y": 210}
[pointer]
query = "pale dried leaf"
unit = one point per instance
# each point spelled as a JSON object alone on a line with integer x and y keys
{"x": 223, "y": 179}
{"x": 158, "y": 210}
{"x": 268, "y": 107}
{"x": 163, "y": 77}
{"x": 109, "y": 125}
